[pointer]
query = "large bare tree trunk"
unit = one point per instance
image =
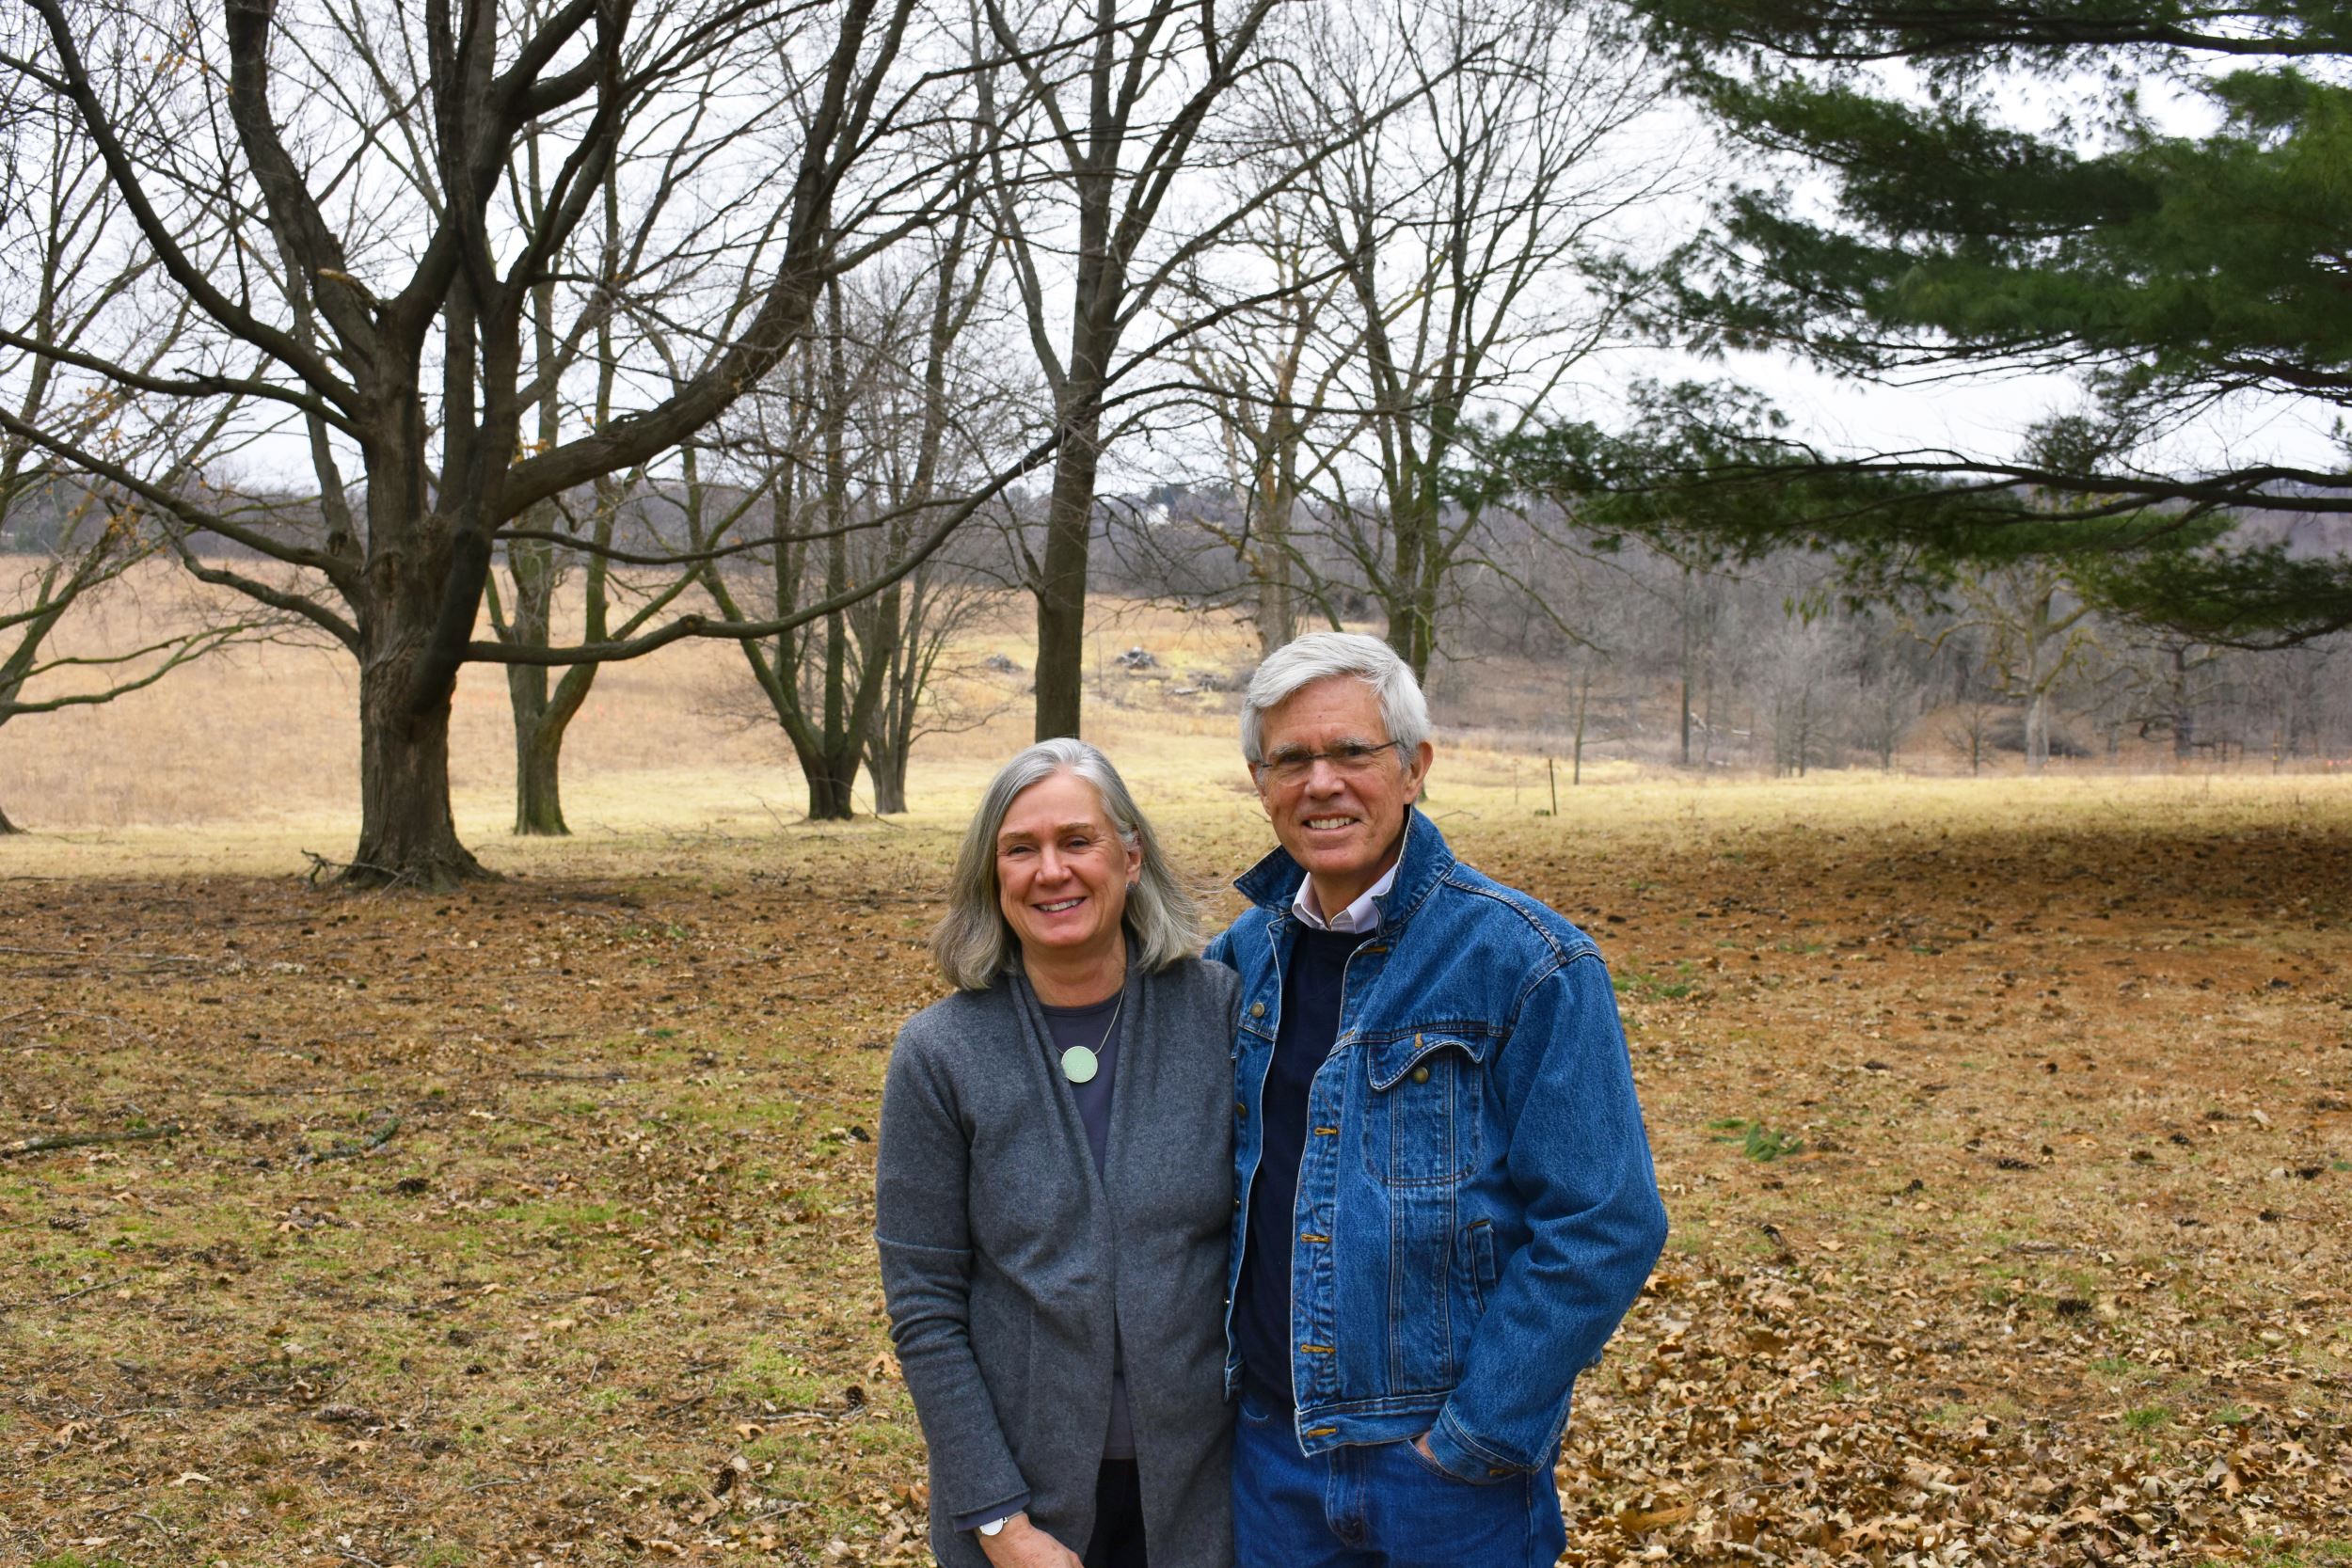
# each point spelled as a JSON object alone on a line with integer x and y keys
{"x": 1278, "y": 496}
{"x": 407, "y": 835}
{"x": 886, "y": 765}
{"x": 538, "y": 790}
{"x": 831, "y": 780}
{"x": 1061, "y": 589}
{"x": 538, "y": 764}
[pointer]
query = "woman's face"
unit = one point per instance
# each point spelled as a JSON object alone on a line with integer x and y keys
{"x": 1061, "y": 871}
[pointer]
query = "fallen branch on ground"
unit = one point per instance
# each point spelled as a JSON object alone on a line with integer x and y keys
{"x": 322, "y": 866}
{"x": 7, "y": 1307}
{"x": 75, "y": 1140}
{"x": 382, "y": 1135}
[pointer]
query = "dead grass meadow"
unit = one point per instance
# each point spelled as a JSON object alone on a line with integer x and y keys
{"x": 2006, "y": 1126}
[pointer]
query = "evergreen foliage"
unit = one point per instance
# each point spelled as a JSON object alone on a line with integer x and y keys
{"x": 2154, "y": 197}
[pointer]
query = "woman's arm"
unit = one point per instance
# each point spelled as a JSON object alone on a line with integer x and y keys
{"x": 923, "y": 1229}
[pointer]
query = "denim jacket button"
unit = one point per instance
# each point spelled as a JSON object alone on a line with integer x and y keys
{"x": 1241, "y": 1110}
{"x": 1257, "y": 1009}
{"x": 1421, "y": 1075}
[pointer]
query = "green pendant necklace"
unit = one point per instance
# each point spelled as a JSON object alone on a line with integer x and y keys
{"x": 1078, "y": 1064}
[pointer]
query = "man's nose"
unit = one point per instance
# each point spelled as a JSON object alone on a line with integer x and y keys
{"x": 1324, "y": 777}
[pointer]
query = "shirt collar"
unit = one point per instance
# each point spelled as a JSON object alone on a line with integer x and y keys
{"x": 1361, "y": 915}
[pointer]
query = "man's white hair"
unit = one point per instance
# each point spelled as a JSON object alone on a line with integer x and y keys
{"x": 1320, "y": 656}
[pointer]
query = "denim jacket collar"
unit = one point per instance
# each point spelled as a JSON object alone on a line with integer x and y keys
{"x": 1273, "y": 882}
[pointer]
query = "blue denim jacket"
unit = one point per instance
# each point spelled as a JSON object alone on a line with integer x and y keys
{"x": 1476, "y": 1208}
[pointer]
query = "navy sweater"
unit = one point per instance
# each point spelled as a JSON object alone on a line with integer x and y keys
{"x": 1310, "y": 1025}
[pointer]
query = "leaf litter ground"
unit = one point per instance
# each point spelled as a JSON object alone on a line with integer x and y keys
{"x": 2010, "y": 1168}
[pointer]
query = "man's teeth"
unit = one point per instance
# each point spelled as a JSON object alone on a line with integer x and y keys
{"x": 1328, "y": 821}
{"x": 1065, "y": 904}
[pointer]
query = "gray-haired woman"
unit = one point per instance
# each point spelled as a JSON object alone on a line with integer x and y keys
{"x": 1054, "y": 1191}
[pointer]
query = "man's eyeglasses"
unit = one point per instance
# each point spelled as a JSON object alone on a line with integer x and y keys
{"x": 1349, "y": 758}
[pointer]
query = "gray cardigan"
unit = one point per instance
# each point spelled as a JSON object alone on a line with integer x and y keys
{"x": 1006, "y": 1258}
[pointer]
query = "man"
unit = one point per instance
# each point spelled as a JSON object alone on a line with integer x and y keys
{"x": 1445, "y": 1196}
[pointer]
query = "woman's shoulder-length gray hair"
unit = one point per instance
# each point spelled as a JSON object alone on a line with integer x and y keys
{"x": 1320, "y": 655}
{"x": 974, "y": 943}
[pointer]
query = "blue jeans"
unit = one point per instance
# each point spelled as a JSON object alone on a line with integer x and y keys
{"x": 1378, "y": 1506}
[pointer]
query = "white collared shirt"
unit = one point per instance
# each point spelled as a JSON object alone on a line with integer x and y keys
{"x": 1361, "y": 915}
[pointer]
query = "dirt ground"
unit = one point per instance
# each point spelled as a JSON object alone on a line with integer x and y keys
{"x": 2008, "y": 1141}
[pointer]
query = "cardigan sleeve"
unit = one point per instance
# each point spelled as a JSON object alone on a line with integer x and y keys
{"x": 922, "y": 1227}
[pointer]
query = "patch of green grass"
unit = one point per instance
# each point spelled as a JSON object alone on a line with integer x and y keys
{"x": 2269, "y": 1551}
{"x": 280, "y": 1493}
{"x": 772, "y": 1373}
{"x": 730, "y": 1115}
{"x": 75, "y": 1560}
{"x": 1657, "y": 986}
{"x": 2146, "y": 1418}
{"x": 442, "y": 1557}
{"x": 1770, "y": 1142}
{"x": 576, "y": 1217}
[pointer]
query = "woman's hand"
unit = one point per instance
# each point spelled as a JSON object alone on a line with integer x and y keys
{"x": 1021, "y": 1544}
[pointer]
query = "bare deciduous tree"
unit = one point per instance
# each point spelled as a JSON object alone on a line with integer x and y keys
{"x": 1474, "y": 226}
{"x": 2036, "y": 630}
{"x": 332, "y": 186}
{"x": 67, "y": 539}
{"x": 1086, "y": 178}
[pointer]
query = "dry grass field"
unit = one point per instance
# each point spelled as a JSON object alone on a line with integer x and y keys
{"x": 2006, "y": 1126}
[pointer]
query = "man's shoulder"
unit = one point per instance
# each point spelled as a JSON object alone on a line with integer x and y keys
{"x": 1231, "y": 945}
{"x": 1479, "y": 908}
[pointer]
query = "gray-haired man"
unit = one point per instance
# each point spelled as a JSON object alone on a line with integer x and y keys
{"x": 1444, "y": 1196}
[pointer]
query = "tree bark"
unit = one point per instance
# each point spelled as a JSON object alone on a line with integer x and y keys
{"x": 832, "y": 778}
{"x": 538, "y": 770}
{"x": 407, "y": 835}
{"x": 886, "y": 765}
{"x": 1278, "y": 613}
{"x": 1584, "y": 706}
{"x": 538, "y": 791}
{"x": 2184, "y": 716}
{"x": 1062, "y": 591}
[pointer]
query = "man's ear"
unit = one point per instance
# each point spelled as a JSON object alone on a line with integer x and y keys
{"x": 1416, "y": 771}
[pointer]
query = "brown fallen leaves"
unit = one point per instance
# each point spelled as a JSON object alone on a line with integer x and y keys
{"x": 1922, "y": 1305}
{"x": 1733, "y": 1425}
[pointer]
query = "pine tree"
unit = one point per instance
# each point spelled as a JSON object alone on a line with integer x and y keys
{"x": 2152, "y": 197}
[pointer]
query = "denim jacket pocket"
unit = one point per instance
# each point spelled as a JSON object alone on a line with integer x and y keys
{"x": 1478, "y": 1262}
{"x": 1421, "y": 1122}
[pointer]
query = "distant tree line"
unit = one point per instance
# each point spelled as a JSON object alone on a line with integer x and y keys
{"x": 548, "y": 335}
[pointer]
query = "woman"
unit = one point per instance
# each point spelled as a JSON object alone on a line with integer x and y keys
{"x": 1054, "y": 1191}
